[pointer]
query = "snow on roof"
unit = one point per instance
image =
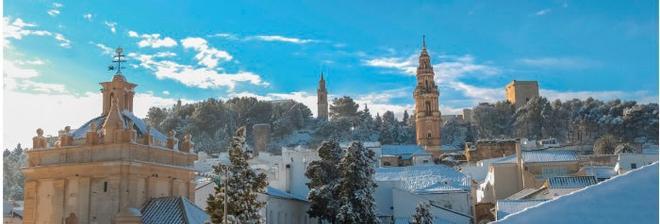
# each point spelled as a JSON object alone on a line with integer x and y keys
{"x": 571, "y": 182}
{"x": 346, "y": 144}
{"x": 402, "y": 150}
{"x": 524, "y": 193}
{"x": 627, "y": 198}
{"x": 599, "y": 172}
{"x": 508, "y": 207}
{"x": 548, "y": 156}
{"x": 425, "y": 178}
{"x": 274, "y": 192}
{"x": 172, "y": 210}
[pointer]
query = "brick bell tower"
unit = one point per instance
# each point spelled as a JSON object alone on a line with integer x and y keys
{"x": 427, "y": 108}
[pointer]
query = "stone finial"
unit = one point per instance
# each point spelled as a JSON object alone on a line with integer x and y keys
{"x": 132, "y": 134}
{"x": 187, "y": 144}
{"x": 39, "y": 141}
{"x": 172, "y": 142}
{"x": 65, "y": 137}
{"x": 92, "y": 137}
{"x": 148, "y": 139}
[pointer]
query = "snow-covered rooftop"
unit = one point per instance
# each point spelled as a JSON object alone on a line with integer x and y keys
{"x": 548, "y": 156}
{"x": 274, "y": 192}
{"x": 571, "y": 182}
{"x": 508, "y": 207}
{"x": 425, "y": 178}
{"x": 627, "y": 198}
{"x": 402, "y": 150}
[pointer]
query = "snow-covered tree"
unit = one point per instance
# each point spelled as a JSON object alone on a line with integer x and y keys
{"x": 240, "y": 184}
{"x": 323, "y": 183}
{"x": 422, "y": 214}
{"x": 13, "y": 179}
{"x": 454, "y": 132}
{"x": 493, "y": 120}
{"x": 605, "y": 144}
{"x": 357, "y": 186}
{"x": 532, "y": 120}
{"x": 343, "y": 107}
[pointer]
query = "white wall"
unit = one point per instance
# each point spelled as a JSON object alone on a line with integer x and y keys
{"x": 284, "y": 211}
{"x": 627, "y": 159}
{"x": 293, "y": 177}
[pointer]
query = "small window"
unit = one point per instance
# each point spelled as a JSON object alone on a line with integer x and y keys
{"x": 105, "y": 186}
{"x": 387, "y": 164}
{"x": 633, "y": 166}
{"x": 425, "y": 161}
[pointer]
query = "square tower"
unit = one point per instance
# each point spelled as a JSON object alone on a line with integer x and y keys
{"x": 519, "y": 92}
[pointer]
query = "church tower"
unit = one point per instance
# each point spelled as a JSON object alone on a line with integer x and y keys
{"x": 322, "y": 100}
{"x": 427, "y": 109}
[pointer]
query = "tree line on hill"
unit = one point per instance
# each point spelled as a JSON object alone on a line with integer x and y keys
{"x": 574, "y": 121}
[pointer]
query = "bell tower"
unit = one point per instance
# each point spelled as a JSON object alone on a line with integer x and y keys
{"x": 427, "y": 108}
{"x": 322, "y": 100}
{"x": 119, "y": 89}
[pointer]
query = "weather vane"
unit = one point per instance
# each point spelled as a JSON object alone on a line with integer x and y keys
{"x": 117, "y": 58}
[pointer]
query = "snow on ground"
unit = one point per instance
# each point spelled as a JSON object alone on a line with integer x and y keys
{"x": 627, "y": 198}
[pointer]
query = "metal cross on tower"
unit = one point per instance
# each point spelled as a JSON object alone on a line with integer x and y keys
{"x": 117, "y": 58}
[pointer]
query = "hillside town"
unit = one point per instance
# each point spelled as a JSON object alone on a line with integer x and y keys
{"x": 522, "y": 159}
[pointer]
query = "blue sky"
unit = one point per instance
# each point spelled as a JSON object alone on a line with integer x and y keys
{"x": 56, "y": 52}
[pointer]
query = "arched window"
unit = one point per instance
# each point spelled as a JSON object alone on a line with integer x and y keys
{"x": 427, "y": 84}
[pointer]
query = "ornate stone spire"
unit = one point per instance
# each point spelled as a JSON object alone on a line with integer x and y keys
{"x": 425, "y": 66}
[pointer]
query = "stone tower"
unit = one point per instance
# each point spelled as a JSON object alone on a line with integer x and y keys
{"x": 427, "y": 109}
{"x": 519, "y": 92}
{"x": 322, "y": 100}
{"x": 106, "y": 169}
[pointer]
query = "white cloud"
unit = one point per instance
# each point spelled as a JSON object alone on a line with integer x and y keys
{"x": 105, "y": 50}
{"x": 55, "y": 10}
{"x": 19, "y": 29}
{"x": 165, "y": 92}
{"x": 188, "y": 75}
{"x": 112, "y": 26}
{"x": 558, "y": 62}
{"x": 278, "y": 38}
{"x": 152, "y": 40}
{"x": 406, "y": 65}
{"x": 543, "y": 12}
{"x": 18, "y": 74}
{"x": 52, "y": 112}
{"x": 206, "y": 56}
{"x": 88, "y": 16}
{"x": 228, "y": 36}
{"x": 66, "y": 43}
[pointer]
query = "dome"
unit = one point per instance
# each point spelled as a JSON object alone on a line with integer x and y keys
{"x": 138, "y": 125}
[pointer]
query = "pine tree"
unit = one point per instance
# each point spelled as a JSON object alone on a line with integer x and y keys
{"x": 422, "y": 214}
{"x": 324, "y": 181}
{"x": 356, "y": 187}
{"x": 241, "y": 186}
